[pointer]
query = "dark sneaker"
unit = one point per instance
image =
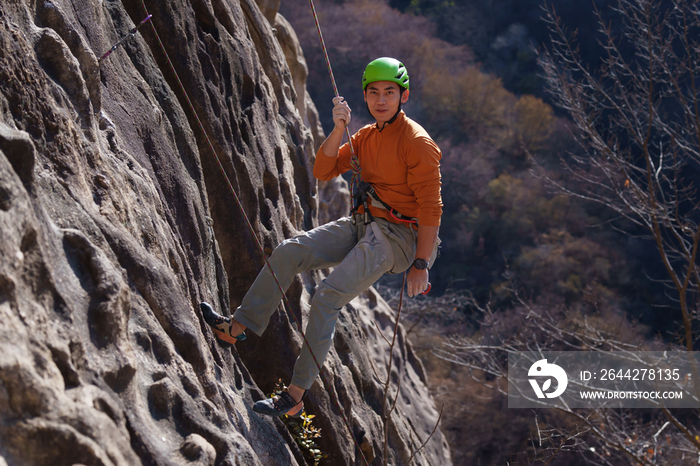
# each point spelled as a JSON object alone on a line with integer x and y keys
{"x": 221, "y": 325}
{"x": 279, "y": 405}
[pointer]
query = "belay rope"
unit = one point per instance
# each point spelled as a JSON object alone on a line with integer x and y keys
{"x": 128, "y": 36}
{"x": 354, "y": 161}
{"x": 250, "y": 226}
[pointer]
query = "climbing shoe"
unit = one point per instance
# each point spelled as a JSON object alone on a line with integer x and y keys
{"x": 221, "y": 325}
{"x": 279, "y": 405}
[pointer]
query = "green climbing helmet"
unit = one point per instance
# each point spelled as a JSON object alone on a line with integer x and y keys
{"x": 385, "y": 69}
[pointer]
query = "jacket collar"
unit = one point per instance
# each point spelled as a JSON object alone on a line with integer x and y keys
{"x": 390, "y": 128}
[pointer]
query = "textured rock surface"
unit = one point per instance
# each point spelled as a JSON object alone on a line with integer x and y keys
{"x": 334, "y": 195}
{"x": 116, "y": 221}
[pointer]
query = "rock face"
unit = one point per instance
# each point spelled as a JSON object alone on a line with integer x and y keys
{"x": 116, "y": 221}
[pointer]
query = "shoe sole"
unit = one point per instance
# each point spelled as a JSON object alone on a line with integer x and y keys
{"x": 297, "y": 415}
{"x": 223, "y": 336}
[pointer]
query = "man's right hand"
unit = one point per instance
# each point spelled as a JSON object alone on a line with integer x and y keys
{"x": 341, "y": 118}
{"x": 341, "y": 113}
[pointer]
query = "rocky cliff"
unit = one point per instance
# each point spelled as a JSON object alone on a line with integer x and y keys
{"x": 116, "y": 221}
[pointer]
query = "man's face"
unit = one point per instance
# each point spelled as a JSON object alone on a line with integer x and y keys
{"x": 383, "y": 99}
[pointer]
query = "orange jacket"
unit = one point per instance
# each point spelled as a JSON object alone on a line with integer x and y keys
{"x": 402, "y": 162}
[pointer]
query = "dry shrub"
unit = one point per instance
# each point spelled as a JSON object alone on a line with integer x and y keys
{"x": 479, "y": 426}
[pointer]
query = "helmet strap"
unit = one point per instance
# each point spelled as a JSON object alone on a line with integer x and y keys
{"x": 392, "y": 118}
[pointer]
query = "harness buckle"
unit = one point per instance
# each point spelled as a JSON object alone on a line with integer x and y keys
{"x": 368, "y": 215}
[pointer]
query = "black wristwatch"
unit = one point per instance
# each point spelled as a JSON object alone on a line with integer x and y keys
{"x": 420, "y": 264}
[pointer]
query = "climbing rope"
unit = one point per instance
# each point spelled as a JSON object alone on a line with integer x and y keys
{"x": 250, "y": 226}
{"x": 128, "y": 36}
{"x": 354, "y": 161}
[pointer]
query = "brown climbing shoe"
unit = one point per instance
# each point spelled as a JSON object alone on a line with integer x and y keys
{"x": 221, "y": 325}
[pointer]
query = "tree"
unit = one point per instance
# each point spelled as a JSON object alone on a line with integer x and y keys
{"x": 638, "y": 118}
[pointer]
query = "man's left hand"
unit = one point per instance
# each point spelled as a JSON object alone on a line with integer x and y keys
{"x": 417, "y": 281}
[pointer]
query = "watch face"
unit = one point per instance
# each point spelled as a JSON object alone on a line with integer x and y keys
{"x": 420, "y": 264}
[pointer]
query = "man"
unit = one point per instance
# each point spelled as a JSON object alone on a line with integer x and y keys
{"x": 394, "y": 229}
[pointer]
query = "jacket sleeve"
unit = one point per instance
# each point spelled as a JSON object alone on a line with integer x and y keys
{"x": 326, "y": 168}
{"x": 423, "y": 161}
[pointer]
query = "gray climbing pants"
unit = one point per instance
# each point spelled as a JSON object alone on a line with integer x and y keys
{"x": 360, "y": 255}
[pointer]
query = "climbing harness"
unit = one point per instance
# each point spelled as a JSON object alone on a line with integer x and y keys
{"x": 329, "y": 388}
{"x": 361, "y": 198}
{"x": 131, "y": 34}
{"x": 366, "y": 195}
